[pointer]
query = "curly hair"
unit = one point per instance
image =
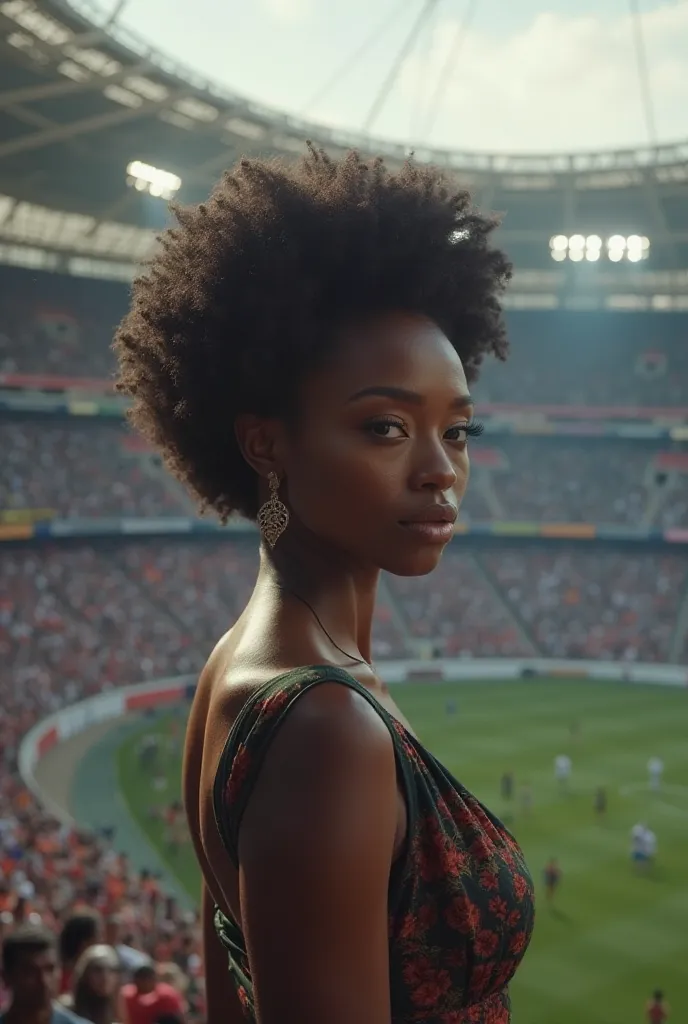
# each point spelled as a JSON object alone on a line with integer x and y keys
{"x": 243, "y": 298}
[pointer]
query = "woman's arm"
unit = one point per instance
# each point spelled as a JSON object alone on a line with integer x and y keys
{"x": 315, "y": 850}
{"x": 222, "y": 1002}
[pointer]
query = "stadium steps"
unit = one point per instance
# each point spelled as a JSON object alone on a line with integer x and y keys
{"x": 678, "y": 638}
{"x": 518, "y": 623}
{"x": 154, "y": 469}
{"x": 386, "y": 597}
{"x": 486, "y": 485}
{"x": 655, "y": 500}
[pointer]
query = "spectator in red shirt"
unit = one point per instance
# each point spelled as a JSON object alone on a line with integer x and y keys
{"x": 146, "y": 999}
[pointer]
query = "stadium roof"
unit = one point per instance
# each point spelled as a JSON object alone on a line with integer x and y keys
{"x": 79, "y": 101}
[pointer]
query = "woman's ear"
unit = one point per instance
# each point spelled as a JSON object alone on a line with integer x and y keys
{"x": 260, "y": 442}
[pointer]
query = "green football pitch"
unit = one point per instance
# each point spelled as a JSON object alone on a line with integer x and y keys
{"x": 613, "y": 935}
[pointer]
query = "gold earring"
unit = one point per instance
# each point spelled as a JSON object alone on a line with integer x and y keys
{"x": 273, "y": 515}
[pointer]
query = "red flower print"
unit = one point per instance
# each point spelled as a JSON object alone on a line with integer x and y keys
{"x": 463, "y": 817}
{"x": 480, "y": 849}
{"x": 518, "y": 943}
{"x": 237, "y": 773}
{"x": 462, "y": 915}
{"x": 514, "y": 918}
{"x": 499, "y": 907}
{"x": 416, "y": 971}
{"x": 275, "y": 702}
{"x": 243, "y": 997}
{"x": 427, "y": 917}
{"x": 409, "y": 927}
{"x": 434, "y": 985}
{"x": 489, "y": 880}
{"x": 454, "y": 861}
{"x": 486, "y": 943}
{"x": 505, "y": 973}
{"x": 520, "y": 886}
{"x": 480, "y": 979}
{"x": 508, "y": 857}
{"x": 453, "y": 1017}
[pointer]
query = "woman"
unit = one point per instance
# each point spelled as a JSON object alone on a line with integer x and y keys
{"x": 300, "y": 352}
{"x": 96, "y": 985}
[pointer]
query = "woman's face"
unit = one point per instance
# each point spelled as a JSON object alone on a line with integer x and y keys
{"x": 378, "y": 463}
{"x": 102, "y": 979}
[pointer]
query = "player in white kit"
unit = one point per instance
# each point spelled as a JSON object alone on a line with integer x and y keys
{"x": 655, "y": 770}
{"x": 562, "y": 770}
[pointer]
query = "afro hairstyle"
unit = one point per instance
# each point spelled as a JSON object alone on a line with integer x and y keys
{"x": 244, "y": 296}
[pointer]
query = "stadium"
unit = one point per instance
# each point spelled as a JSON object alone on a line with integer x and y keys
{"x": 556, "y": 624}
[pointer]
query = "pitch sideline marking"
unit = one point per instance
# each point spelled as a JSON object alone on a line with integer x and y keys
{"x": 670, "y": 789}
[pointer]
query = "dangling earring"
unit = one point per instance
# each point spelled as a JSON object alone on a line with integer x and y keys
{"x": 273, "y": 515}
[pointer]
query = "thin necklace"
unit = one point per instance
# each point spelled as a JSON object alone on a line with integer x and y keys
{"x": 311, "y": 609}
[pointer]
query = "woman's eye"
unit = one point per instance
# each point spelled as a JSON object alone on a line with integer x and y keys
{"x": 386, "y": 428}
{"x": 459, "y": 433}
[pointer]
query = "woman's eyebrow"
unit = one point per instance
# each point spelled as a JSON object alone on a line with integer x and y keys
{"x": 404, "y": 395}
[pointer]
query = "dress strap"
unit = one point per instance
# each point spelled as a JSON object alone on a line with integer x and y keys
{"x": 254, "y": 730}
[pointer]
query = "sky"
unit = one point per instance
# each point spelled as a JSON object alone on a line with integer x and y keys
{"x": 525, "y": 76}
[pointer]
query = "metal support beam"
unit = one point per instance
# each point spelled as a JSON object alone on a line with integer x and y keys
{"x": 66, "y": 87}
{"x": 84, "y": 126}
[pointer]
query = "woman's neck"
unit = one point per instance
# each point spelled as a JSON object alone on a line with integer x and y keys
{"x": 341, "y": 595}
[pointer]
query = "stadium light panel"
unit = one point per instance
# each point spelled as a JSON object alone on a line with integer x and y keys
{"x": 559, "y": 255}
{"x": 154, "y": 180}
{"x": 616, "y": 255}
{"x": 634, "y": 255}
{"x": 576, "y": 255}
{"x": 559, "y": 243}
{"x": 576, "y": 242}
{"x": 593, "y": 242}
{"x": 617, "y": 242}
{"x": 592, "y": 255}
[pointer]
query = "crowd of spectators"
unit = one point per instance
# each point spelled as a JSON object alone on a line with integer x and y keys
{"x": 552, "y": 480}
{"x": 81, "y": 471}
{"x": 53, "y": 325}
{"x": 607, "y": 605}
{"x": 97, "y": 469}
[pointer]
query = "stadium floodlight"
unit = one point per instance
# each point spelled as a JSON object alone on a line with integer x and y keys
{"x": 157, "y": 182}
{"x": 593, "y": 248}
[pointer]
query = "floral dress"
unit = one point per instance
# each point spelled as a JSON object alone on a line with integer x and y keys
{"x": 460, "y": 895}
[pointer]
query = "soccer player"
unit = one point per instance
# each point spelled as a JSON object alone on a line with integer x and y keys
{"x": 601, "y": 802}
{"x": 638, "y": 845}
{"x": 552, "y": 877}
{"x": 655, "y": 770}
{"x": 657, "y": 1009}
{"x": 562, "y": 770}
{"x": 650, "y": 846}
